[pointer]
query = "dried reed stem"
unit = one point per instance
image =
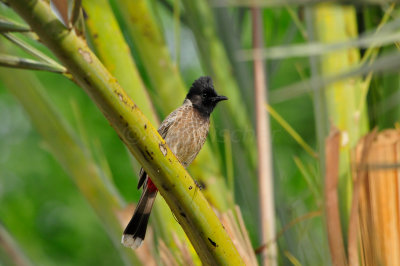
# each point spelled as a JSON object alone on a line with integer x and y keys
{"x": 353, "y": 222}
{"x": 379, "y": 217}
{"x": 333, "y": 225}
{"x": 265, "y": 171}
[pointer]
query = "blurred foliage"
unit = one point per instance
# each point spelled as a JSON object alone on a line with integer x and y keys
{"x": 49, "y": 217}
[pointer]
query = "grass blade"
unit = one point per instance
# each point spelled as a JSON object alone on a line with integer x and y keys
{"x": 290, "y": 130}
{"x": 25, "y": 63}
{"x": 7, "y": 25}
{"x": 31, "y": 50}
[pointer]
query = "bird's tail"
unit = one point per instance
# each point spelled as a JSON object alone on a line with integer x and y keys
{"x": 135, "y": 231}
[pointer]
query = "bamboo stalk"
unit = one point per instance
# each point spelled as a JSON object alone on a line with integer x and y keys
{"x": 193, "y": 212}
{"x": 342, "y": 97}
{"x": 264, "y": 149}
{"x": 110, "y": 46}
{"x": 153, "y": 52}
{"x": 116, "y": 56}
{"x": 333, "y": 23}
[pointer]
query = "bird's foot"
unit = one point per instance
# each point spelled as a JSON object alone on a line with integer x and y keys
{"x": 200, "y": 186}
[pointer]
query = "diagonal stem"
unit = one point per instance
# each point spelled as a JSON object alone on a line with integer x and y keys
{"x": 192, "y": 211}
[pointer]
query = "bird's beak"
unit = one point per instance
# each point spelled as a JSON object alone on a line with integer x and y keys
{"x": 220, "y": 98}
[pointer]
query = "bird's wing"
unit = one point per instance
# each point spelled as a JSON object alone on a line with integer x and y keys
{"x": 166, "y": 124}
{"x": 162, "y": 130}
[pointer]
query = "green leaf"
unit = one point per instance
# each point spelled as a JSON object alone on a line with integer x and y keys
{"x": 25, "y": 63}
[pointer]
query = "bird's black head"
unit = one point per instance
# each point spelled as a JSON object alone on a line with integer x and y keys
{"x": 203, "y": 95}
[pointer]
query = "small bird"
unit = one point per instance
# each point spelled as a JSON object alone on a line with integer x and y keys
{"x": 185, "y": 131}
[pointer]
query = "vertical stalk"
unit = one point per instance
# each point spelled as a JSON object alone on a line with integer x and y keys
{"x": 265, "y": 171}
{"x": 318, "y": 96}
{"x": 334, "y": 228}
{"x": 334, "y": 23}
{"x": 320, "y": 116}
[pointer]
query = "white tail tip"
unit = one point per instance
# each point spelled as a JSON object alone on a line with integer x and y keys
{"x": 131, "y": 242}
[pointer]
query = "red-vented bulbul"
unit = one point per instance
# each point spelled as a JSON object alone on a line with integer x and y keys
{"x": 185, "y": 131}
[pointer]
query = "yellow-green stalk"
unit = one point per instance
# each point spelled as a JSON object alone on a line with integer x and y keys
{"x": 191, "y": 209}
{"x": 337, "y": 23}
{"x": 116, "y": 56}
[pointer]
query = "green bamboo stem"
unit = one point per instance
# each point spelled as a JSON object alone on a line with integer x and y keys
{"x": 164, "y": 77}
{"x": 335, "y": 23}
{"x": 112, "y": 50}
{"x": 192, "y": 210}
{"x": 116, "y": 56}
{"x": 70, "y": 154}
{"x": 342, "y": 97}
{"x": 153, "y": 52}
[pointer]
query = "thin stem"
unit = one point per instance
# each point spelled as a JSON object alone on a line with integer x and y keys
{"x": 177, "y": 32}
{"x": 25, "y": 63}
{"x": 265, "y": 170}
{"x": 332, "y": 212}
{"x": 289, "y": 129}
{"x": 76, "y": 9}
{"x": 31, "y": 50}
{"x": 10, "y": 26}
{"x": 316, "y": 48}
{"x": 280, "y": 3}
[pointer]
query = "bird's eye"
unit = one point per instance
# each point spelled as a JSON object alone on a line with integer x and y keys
{"x": 204, "y": 95}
